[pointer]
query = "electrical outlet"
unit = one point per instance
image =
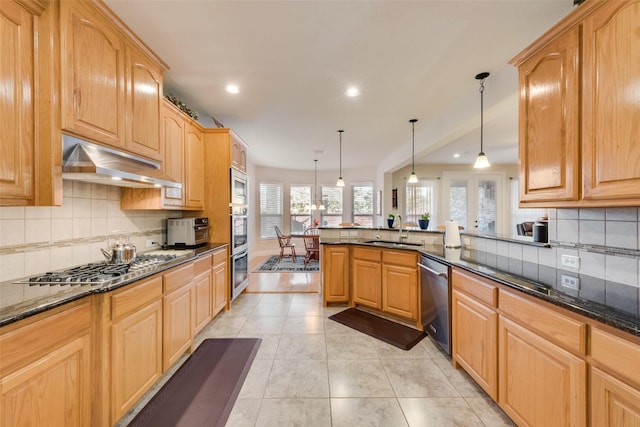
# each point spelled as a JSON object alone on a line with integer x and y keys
{"x": 570, "y": 261}
{"x": 344, "y": 234}
{"x": 353, "y": 233}
{"x": 570, "y": 282}
{"x": 150, "y": 243}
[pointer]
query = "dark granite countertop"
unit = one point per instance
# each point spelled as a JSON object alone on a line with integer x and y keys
{"x": 21, "y": 300}
{"x": 539, "y": 281}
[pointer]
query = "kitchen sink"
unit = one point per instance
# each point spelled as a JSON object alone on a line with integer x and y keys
{"x": 393, "y": 243}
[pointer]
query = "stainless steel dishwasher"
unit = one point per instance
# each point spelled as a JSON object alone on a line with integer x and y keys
{"x": 436, "y": 301}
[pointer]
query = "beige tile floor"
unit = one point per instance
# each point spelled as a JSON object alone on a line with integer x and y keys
{"x": 311, "y": 371}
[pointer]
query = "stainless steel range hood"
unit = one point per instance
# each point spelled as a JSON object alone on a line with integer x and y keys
{"x": 85, "y": 161}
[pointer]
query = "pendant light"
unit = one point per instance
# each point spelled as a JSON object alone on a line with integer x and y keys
{"x": 481, "y": 161}
{"x": 413, "y": 178}
{"x": 340, "y": 182}
{"x": 315, "y": 206}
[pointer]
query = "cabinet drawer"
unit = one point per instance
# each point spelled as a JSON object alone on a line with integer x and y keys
{"x": 178, "y": 277}
{"x": 617, "y": 354}
{"x": 366, "y": 254}
{"x": 564, "y": 331}
{"x": 219, "y": 257}
{"x": 481, "y": 289}
{"x": 404, "y": 258}
{"x": 202, "y": 265}
{"x": 135, "y": 297}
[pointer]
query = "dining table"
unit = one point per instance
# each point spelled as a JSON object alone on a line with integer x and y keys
{"x": 316, "y": 243}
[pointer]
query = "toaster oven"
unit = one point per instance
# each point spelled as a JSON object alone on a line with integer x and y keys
{"x": 187, "y": 232}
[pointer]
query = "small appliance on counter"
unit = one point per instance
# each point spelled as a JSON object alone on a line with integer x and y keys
{"x": 187, "y": 232}
{"x": 451, "y": 235}
{"x": 541, "y": 230}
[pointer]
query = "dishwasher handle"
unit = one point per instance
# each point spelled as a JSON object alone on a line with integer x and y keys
{"x": 437, "y": 273}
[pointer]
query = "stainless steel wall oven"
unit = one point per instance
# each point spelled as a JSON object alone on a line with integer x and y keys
{"x": 239, "y": 217}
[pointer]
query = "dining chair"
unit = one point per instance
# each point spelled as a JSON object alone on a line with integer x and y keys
{"x": 312, "y": 246}
{"x": 285, "y": 242}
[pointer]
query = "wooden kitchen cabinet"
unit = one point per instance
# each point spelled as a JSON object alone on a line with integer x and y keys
{"x": 221, "y": 286}
{"x": 238, "y": 154}
{"x": 400, "y": 284}
{"x": 178, "y": 325}
{"x": 30, "y": 173}
{"x": 366, "y": 277}
{"x": 203, "y": 292}
{"x": 93, "y": 75}
{"x": 173, "y": 133}
{"x": 144, "y": 114}
{"x": 578, "y": 120}
{"x": 45, "y": 369}
{"x": 194, "y": 167}
{"x": 136, "y": 343}
{"x": 335, "y": 274}
{"x": 474, "y": 329}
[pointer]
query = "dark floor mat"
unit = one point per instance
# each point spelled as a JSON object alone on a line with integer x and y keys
{"x": 385, "y": 330}
{"x": 204, "y": 389}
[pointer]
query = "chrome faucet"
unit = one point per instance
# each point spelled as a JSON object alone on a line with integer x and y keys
{"x": 401, "y": 236}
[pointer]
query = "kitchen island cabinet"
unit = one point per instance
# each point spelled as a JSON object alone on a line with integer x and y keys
{"x": 335, "y": 274}
{"x": 579, "y": 130}
{"x": 366, "y": 278}
{"x": 46, "y": 368}
{"x": 400, "y": 293}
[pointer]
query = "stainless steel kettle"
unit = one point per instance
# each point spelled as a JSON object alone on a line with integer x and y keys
{"x": 119, "y": 252}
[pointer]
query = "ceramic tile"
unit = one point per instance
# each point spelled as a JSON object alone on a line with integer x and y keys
{"x": 256, "y": 381}
{"x": 622, "y": 297}
{"x": 418, "y": 378}
{"x": 268, "y": 346}
{"x": 305, "y": 309}
{"x": 388, "y": 351}
{"x": 515, "y": 251}
{"x": 591, "y": 213}
{"x": 81, "y": 189}
{"x": 276, "y": 299}
{"x": 567, "y": 214}
{"x": 263, "y": 325}
{"x": 81, "y": 227}
{"x": 244, "y": 413}
{"x": 12, "y": 266}
{"x": 302, "y": 346}
{"x": 547, "y": 256}
{"x": 568, "y": 230}
{"x": 12, "y": 232}
{"x": 82, "y": 208}
{"x": 592, "y": 289}
{"x": 592, "y": 264}
{"x": 298, "y": 379}
{"x": 99, "y": 191}
{"x": 502, "y": 248}
{"x": 459, "y": 379}
{"x": 439, "y": 412}
{"x": 37, "y": 230}
{"x": 591, "y": 232}
{"x": 304, "y": 325}
{"x": 229, "y": 325}
{"x": 366, "y": 412}
{"x": 294, "y": 412}
{"x": 622, "y": 214}
{"x": 358, "y": 378}
{"x": 622, "y": 234}
{"x": 622, "y": 270}
{"x": 36, "y": 262}
{"x": 61, "y": 229}
{"x": 350, "y": 346}
{"x": 37, "y": 212}
{"x": 12, "y": 212}
{"x": 489, "y": 412}
{"x": 270, "y": 310}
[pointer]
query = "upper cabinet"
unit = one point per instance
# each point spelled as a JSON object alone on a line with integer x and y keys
{"x": 238, "y": 153}
{"x": 30, "y": 172}
{"x": 579, "y": 115}
{"x": 111, "y": 90}
{"x": 194, "y": 166}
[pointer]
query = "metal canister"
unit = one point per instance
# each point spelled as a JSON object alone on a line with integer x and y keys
{"x": 541, "y": 230}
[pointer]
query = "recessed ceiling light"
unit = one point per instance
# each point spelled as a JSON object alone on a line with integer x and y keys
{"x": 353, "y": 91}
{"x": 231, "y": 88}
{"x": 456, "y": 155}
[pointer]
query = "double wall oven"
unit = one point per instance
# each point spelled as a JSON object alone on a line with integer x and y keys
{"x": 239, "y": 232}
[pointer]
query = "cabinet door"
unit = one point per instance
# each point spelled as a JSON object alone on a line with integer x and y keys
{"x": 220, "y": 284}
{"x": 540, "y": 384}
{"x": 613, "y": 403}
{"x": 549, "y": 149}
{"x": 611, "y": 117}
{"x": 238, "y": 155}
{"x": 367, "y": 283}
{"x": 475, "y": 340}
{"x": 194, "y": 167}
{"x": 92, "y": 86}
{"x": 400, "y": 290}
{"x": 174, "y": 133}
{"x": 136, "y": 359}
{"x": 144, "y": 105}
{"x": 178, "y": 325}
{"x": 335, "y": 273}
{"x": 203, "y": 292}
{"x": 17, "y": 150}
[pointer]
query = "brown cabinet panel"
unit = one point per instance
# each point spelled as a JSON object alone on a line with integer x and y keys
{"x": 203, "y": 293}
{"x": 221, "y": 286}
{"x": 611, "y": 117}
{"x": 335, "y": 273}
{"x": 178, "y": 325}
{"x": 366, "y": 283}
{"x": 194, "y": 167}
{"x": 174, "y": 133}
{"x": 613, "y": 403}
{"x": 400, "y": 290}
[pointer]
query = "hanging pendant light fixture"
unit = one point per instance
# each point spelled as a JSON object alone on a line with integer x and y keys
{"x": 413, "y": 178}
{"x": 340, "y": 182}
{"x": 481, "y": 160}
{"x": 315, "y": 206}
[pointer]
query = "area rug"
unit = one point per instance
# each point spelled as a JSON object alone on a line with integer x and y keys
{"x": 385, "y": 330}
{"x": 287, "y": 264}
{"x": 204, "y": 389}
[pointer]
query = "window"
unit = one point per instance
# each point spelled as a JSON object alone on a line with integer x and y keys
{"x": 363, "y": 204}
{"x": 270, "y": 209}
{"x": 300, "y": 196}
{"x": 421, "y": 198}
{"x": 332, "y": 199}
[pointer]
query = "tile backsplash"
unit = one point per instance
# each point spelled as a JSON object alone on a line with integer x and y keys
{"x": 39, "y": 239}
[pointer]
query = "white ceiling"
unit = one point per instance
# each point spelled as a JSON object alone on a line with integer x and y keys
{"x": 293, "y": 61}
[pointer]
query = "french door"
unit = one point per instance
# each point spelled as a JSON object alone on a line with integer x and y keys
{"x": 474, "y": 201}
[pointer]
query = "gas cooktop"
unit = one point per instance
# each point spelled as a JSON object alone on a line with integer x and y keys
{"x": 102, "y": 274}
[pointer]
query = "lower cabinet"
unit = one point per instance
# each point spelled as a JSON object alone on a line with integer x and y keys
{"x": 400, "y": 284}
{"x": 366, "y": 277}
{"x": 136, "y": 343}
{"x": 335, "y": 274}
{"x": 203, "y": 292}
{"x": 474, "y": 323}
{"x": 178, "y": 312}
{"x": 45, "y": 369}
{"x": 613, "y": 402}
{"x": 541, "y": 384}
{"x": 221, "y": 287}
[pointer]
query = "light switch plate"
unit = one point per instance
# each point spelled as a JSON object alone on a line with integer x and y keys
{"x": 570, "y": 282}
{"x": 570, "y": 261}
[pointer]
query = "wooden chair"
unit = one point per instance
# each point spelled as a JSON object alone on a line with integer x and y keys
{"x": 312, "y": 245}
{"x": 285, "y": 242}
